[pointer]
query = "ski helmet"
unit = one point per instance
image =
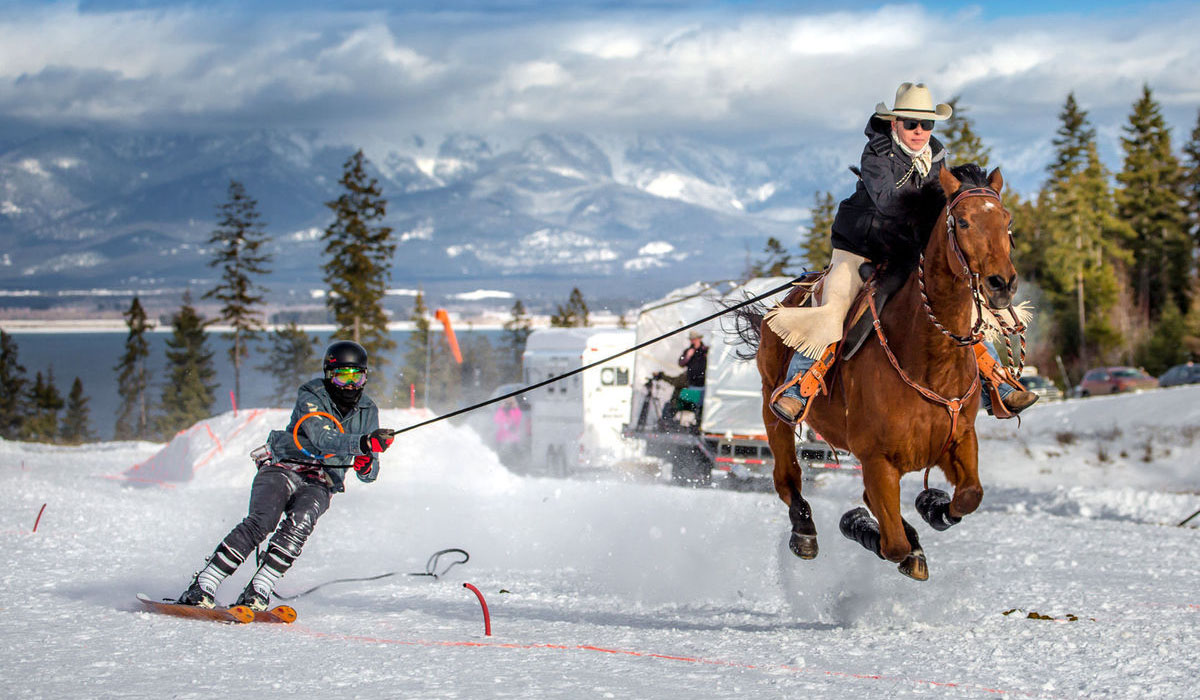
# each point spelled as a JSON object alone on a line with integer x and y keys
{"x": 345, "y": 365}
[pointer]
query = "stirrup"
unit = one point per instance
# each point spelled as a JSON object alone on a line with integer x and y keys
{"x": 812, "y": 382}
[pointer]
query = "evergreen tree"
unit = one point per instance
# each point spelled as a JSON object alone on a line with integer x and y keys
{"x": 1071, "y": 142}
{"x": 516, "y": 333}
{"x": 1191, "y": 184}
{"x": 237, "y": 242}
{"x": 1165, "y": 347}
{"x": 76, "y": 426}
{"x": 1150, "y": 199}
{"x": 187, "y": 395}
{"x": 133, "y": 381}
{"x": 573, "y": 315}
{"x": 45, "y": 402}
{"x": 291, "y": 361}
{"x": 960, "y": 139}
{"x": 12, "y": 389}
{"x": 417, "y": 356}
{"x": 776, "y": 261}
{"x": 817, "y": 246}
{"x": 359, "y": 260}
{"x": 1191, "y": 322}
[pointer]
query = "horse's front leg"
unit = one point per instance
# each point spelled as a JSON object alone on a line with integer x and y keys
{"x": 960, "y": 464}
{"x": 885, "y": 535}
{"x": 788, "y": 479}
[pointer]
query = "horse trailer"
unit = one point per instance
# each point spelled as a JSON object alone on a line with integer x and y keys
{"x": 576, "y": 422}
{"x": 723, "y": 435}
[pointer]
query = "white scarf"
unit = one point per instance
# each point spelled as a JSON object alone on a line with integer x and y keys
{"x": 922, "y": 159}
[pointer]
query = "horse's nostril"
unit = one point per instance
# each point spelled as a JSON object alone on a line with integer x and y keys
{"x": 997, "y": 283}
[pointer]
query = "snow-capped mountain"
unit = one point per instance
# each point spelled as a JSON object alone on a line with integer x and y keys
{"x": 92, "y": 209}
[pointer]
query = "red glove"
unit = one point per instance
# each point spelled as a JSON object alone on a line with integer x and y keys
{"x": 377, "y": 441}
{"x": 362, "y": 464}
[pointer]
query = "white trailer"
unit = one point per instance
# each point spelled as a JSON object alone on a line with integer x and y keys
{"x": 729, "y": 438}
{"x": 576, "y": 423}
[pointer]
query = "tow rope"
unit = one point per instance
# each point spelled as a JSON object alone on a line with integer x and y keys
{"x": 430, "y": 570}
{"x": 597, "y": 363}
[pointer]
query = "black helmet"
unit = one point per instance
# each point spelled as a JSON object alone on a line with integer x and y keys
{"x": 344, "y": 353}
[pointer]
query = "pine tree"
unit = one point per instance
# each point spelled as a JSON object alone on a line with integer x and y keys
{"x": 187, "y": 395}
{"x": 1191, "y": 183}
{"x": 12, "y": 389}
{"x": 1071, "y": 142}
{"x": 960, "y": 139}
{"x": 76, "y": 426}
{"x": 133, "y": 380}
{"x": 777, "y": 261}
{"x": 1150, "y": 199}
{"x": 417, "y": 356}
{"x": 359, "y": 260}
{"x": 1191, "y": 322}
{"x": 291, "y": 361}
{"x": 45, "y": 402}
{"x": 574, "y": 314}
{"x": 516, "y": 333}
{"x": 817, "y": 246}
{"x": 237, "y": 242}
{"x": 1165, "y": 347}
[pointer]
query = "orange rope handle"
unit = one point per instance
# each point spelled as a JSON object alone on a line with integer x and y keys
{"x": 306, "y": 416}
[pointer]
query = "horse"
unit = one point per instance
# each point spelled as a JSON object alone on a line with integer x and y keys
{"x": 908, "y": 401}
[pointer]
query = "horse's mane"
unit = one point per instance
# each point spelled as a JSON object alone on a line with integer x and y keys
{"x": 924, "y": 208}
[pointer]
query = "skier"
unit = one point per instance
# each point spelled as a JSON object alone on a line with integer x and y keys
{"x": 296, "y": 483}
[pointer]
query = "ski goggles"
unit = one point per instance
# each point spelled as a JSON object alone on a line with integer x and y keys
{"x": 354, "y": 377}
{"x": 912, "y": 124}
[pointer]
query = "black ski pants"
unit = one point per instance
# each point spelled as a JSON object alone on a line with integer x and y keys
{"x": 279, "y": 493}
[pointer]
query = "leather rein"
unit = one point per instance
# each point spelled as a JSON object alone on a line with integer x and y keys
{"x": 952, "y": 405}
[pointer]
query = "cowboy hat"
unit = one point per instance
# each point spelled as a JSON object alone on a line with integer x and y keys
{"x": 695, "y": 334}
{"x": 913, "y": 102}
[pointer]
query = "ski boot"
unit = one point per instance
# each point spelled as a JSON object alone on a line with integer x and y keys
{"x": 254, "y": 599}
{"x": 195, "y": 595}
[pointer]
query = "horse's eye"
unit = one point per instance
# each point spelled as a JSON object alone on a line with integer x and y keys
{"x": 962, "y": 223}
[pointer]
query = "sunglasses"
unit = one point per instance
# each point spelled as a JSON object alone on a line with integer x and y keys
{"x": 912, "y": 124}
{"x": 348, "y": 376}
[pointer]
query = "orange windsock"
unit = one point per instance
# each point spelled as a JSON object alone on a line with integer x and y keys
{"x": 444, "y": 317}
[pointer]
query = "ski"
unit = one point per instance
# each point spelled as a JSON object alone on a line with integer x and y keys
{"x": 237, "y": 614}
{"x": 280, "y": 614}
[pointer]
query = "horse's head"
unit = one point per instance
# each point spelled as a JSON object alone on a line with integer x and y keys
{"x": 978, "y": 232}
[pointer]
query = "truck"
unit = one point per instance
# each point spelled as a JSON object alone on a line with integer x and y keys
{"x": 721, "y": 435}
{"x": 576, "y": 423}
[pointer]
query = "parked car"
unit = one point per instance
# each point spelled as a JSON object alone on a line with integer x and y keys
{"x": 1181, "y": 374}
{"x": 1042, "y": 387}
{"x": 1114, "y": 380}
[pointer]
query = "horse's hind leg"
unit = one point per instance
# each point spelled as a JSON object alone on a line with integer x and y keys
{"x": 803, "y": 540}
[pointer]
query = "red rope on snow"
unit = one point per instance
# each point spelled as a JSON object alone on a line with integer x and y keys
{"x": 39, "y": 517}
{"x": 487, "y": 619}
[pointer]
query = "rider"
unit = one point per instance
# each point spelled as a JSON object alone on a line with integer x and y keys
{"x": 297, "y": 483}
{"x": 901, "y": 157}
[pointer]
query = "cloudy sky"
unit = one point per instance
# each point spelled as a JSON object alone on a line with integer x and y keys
{"x": 741, "y": 72}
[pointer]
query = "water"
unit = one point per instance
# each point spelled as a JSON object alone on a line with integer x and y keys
{"x": 93, "y": 356}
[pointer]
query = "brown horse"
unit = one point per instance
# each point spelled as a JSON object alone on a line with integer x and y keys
{"x": 907, "y": 400}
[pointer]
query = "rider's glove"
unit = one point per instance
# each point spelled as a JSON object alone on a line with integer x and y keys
{"x": 362, "y": 464}
{"x": 376, "y": 441}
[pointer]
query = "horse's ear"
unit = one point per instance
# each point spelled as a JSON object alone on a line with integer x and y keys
{"x": 996, "y": 180}
{"x": 950, "y": 184}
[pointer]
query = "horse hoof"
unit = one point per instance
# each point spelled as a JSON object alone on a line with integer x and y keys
{"x": 803, "y": 546}
{"x": 914, "y": 566}
{"x": 934, "y": 507}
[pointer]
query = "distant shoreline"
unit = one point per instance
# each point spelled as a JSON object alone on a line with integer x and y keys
{"x": 112, "y": 325}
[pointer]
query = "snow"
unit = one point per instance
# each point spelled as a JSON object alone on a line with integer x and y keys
{"x": 609, "y": 587}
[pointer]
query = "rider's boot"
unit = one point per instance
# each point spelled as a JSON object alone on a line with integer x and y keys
{"x": 806, "y": 379}
{"x": 1013, "y": 396}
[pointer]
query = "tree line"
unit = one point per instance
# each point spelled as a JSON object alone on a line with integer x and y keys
{"x": 358, "y": 256}
{"x": 1109, "y": 259}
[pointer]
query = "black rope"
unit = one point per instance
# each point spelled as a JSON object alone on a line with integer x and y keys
{"x": 1188, "y": 518}
{"x": 430, "y": 570}
{"x": 584, "y": 368}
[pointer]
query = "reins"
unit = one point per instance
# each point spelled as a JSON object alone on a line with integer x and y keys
{"x": 597, "y": 363}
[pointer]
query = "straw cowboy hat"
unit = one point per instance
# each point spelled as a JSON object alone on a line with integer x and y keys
{"x": 913, "y": 102}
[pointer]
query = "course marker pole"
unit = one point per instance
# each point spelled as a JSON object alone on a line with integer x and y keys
{"x": 39, "y": 517}
{"x": 487, "y": 620}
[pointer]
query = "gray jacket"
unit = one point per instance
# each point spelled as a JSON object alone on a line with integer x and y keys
{"x": 319, "y": 435}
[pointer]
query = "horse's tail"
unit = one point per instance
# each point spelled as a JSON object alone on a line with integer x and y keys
{"x": 746, "y": 332}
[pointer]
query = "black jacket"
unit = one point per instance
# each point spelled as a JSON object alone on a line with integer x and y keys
{"x": 873, "y": 222}
{"x": 697, "y": 365}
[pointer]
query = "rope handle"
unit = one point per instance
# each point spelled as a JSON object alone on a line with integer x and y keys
{"x": 296, "y": 432}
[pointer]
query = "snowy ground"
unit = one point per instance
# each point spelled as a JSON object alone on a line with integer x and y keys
{"x": 617, "y": 589}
